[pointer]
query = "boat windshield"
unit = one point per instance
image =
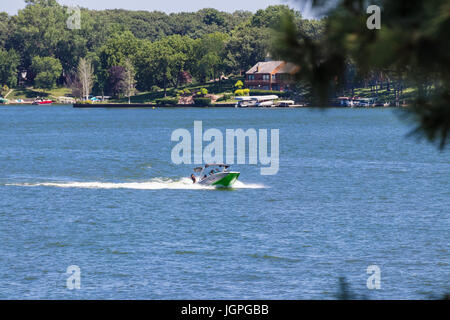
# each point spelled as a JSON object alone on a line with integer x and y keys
{"x": 213, "y": 167}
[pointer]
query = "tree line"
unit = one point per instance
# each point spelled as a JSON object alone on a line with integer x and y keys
{"x": 122, "y": 49}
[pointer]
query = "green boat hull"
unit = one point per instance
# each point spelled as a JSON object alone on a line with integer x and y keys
{"x": 227, "y": 181}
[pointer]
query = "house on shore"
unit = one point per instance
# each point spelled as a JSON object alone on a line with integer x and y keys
{"x": 271, "y": 75}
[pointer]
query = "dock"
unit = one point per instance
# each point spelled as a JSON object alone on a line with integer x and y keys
{"x": 143, "y": 105}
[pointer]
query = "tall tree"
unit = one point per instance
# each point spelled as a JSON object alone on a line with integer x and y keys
{"x": 129, "y": 80}
{"x": 85, "y": 76}
{"x": 116, "y": 80}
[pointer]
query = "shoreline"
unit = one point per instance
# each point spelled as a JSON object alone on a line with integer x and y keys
{"x": 221, "y": 106}
{"x": 142, "y": 105}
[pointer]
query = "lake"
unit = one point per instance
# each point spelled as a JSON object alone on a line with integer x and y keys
{"x": 96, "y": 188}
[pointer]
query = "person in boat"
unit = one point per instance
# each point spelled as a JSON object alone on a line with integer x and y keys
{"x": 194, "y": 179}
{"x": 212, "y": 172}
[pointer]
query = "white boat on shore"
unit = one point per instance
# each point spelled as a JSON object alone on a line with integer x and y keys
{"x": 256, "y": 101}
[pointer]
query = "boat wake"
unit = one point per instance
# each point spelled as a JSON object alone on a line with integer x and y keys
{"x": 153, "y": 184}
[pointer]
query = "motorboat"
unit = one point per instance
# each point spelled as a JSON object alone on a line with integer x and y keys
{"x": 265, "y": 104}
{"x": 255, "y": 101}
{"x": 42, "y": 102}
{"x": 217, "y": 175}
{"x": 245, "y": 102}
{"x": 285, "y": 103}
{"x": 363, "y": 102}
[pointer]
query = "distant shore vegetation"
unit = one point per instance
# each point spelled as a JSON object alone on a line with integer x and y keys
{"x": 121, "y": 53}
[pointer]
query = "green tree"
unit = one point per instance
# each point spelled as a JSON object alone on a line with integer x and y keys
{"x": 272, "y": 17}
{"x": 213, "y": 16}
{"x": 9, "y": 60}
{"x": 209, "y": 51}
{"x": 40, "y": 28}
{"x": 5, "y": 28}
{"x": 246, "y": 47}
{"x": 115, "y": 52}
{"x": 162, "y": 62}
{"x": 47, "y": 70}
{"x": 118, "y": 48}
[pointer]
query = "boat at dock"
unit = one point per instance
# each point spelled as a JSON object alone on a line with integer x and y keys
{"x": 285, "y": 103}
{"x": 42, "y": 102}
{"x": 256, "y": 101}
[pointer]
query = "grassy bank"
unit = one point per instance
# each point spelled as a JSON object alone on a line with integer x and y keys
{"x": 385, "y": 95}
{"x": 32, "y": 93}
{"x": 217, "y": 88}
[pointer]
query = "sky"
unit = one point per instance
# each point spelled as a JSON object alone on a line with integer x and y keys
{"x": 12, "y": 6}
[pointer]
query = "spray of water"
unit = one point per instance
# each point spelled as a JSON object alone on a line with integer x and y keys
{"x": 153, "y": 184}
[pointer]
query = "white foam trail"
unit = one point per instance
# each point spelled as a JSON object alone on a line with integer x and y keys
{"x": 154, "y": 184}
{"x": 240, "y": 185}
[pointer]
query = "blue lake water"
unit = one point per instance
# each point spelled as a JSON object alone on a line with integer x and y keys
{"x": 96, "y": 188}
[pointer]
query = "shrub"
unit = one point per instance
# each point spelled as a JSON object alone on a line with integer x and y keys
{"x": 225, "y": 97}
{"x": 156, "y": 88}
{"x": 242, "y": 92}
{"x": 202, "y": 102}
{"x": 239, "y": 84}
{"x": 187, "y": 91}
{"x": 167, "y": 102}
{"x": 4, "y": 90}
{"x": 203, "y": 92}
